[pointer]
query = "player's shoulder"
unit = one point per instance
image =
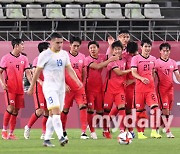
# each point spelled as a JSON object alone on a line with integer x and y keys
{"x": 7, "y": 56}
{"x": 152, "y": 57}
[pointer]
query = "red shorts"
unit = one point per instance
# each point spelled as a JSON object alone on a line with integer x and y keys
{"x": 165, "y": 99}
{"x": 79, "y": 96}
{"x": 130, "y": 100}
{"x": 95, "y": 100}
{"x": 39, "y": 101}
{"x": 16, "y": 100}
{"x": 148, "y": 98}
{"x": 118, "y": 99}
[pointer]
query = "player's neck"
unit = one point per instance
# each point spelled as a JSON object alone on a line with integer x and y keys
{"x": 16, "y": 53}
{"x": 56, "y": 51}
{"x": 145, "y": 55}
{"x": 73, "y": 53}
{"x": 165, "y": 59}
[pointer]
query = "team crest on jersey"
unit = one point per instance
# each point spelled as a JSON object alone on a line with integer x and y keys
{"x": 12, "y": 101}
{"x": 80, "y": 61}
{"x": 171, "y": 66}
{"x": 22, "y": 62}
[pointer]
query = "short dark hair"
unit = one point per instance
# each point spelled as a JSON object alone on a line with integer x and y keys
{"x": 56, "y": 35}
{"x": 75, "y": 39}
{"x": 117, "y": 44}
{"x": 93, "y": 42}
{"x": 124, "y": 31}
{"x": 148, "y": 41}
{"x": 43, "y": 46}
{"x": 166, "y": 45}
{"x": 132, "y": 47}
{"x": 16, "y": 42}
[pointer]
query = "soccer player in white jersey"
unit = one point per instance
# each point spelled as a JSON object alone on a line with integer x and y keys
{"x": 53, "y": 62}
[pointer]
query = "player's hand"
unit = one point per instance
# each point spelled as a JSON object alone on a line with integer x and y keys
{"x": 145, "y": 80}
{"x": 68, "y": 88}
{"x": 110, "y": 40}
{"x": 113, "y": 58}
{"x": 30, "y": 91}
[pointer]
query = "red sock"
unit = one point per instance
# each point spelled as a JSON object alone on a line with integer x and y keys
{"x": 32, "y": 120}
{"x": 105, "y": 124}
{"x": 139, "y": 129}
{"x": 64, "y": 120}
{"x": 130, "y": 129}
{"x": 154, "y": 111}
{"x": 6, "y": 119}
{"x": 90, "y": 118}
{"x": 44, "y": 120}
{"x": 12, "y": 123}
{"x": 114, "y": 112}
{"x": 83, "y": 119}
{"x": 122, "y": 113}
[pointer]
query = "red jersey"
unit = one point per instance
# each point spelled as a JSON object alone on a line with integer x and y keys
{"x": 128, "y": 58}
{"x": 94, "y": 78}
{"x": 14, "y": 69}
{"x": 77, "y": 63}
{"x": 115, "y": 83}
{"x": 165, "y": 71}
{"x": 38, "y": 87}
{"x": 145, "y": 68}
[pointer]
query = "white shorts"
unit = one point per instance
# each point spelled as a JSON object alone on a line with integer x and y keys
{"x": 54, "y": 99}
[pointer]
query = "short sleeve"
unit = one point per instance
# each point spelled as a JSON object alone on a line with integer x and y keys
{"x": 42, "y": 59}
{"x": 3, "y": 63}
{"x": 175, "y": 66}
{"x": 87, "y": 61}
{"x": 112, "y": 65}
{"x": 134, "y": 62}
{"x": 26, "y": 63}
{"x": 67, "y": 60}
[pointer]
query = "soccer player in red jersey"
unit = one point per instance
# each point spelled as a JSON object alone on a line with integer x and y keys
{"x": 73, "y": 92}
{"x": 93, "y": 84}
{"x": 39, "y": 100}
{"x": 123, "y": 37}
{"x": 13, "y": 65}
{"x": 143, "y": 67}
{"x": 165, "y": 67}
{"x": 114, "y": 87}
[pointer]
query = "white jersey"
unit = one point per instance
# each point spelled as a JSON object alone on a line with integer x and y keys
{"x": 53, "y": 65}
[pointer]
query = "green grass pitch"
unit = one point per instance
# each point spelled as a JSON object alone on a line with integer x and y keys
{"x": 100, "y": 146}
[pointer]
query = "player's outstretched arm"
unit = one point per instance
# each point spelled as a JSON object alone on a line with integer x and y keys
{"x": 177, "y": 75}
{"x": 34, "y": 79}
{"x": 73, "y": 75}
{"x": 121, "y": 72}
{"x": 103, "y": 64}
{"x": 137, "y": 76}
{"x": 3, "y": 84}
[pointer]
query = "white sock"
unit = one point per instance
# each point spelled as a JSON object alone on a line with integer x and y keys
{"x": 49, "y": 129}
{"x": 57, "y": 124}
